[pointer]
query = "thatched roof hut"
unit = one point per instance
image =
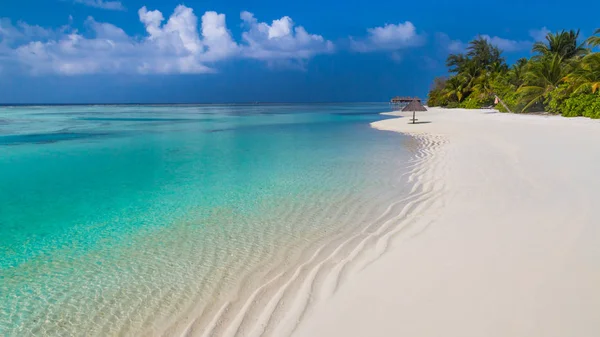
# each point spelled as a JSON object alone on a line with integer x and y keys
{"x": 414, "y": 105}
{"x": 404, "y": 99}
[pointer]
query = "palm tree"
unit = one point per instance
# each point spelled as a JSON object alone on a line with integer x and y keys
{"x": 543, "y": 76}
{"x": 485, "y": 55}
{"x": 469, "y": 74}
{"x": 456, "y": 62}
{"x": 484, "y": 85}
{"x": 439, "y": 83}
{"x": 587, "y": 75}
{"x": 594, "y": 41}
{"x": 455, "y": 89}
{"x": 436, "y": 94}
{"x": 561, "y": 67}
{"x": 563, "y": 43}
{"x": 517, "y": 72}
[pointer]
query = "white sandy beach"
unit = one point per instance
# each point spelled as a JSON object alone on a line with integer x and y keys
{"x": 507, "y": 243}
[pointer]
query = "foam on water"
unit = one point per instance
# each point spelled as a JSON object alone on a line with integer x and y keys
{"x": 144, "y": 220}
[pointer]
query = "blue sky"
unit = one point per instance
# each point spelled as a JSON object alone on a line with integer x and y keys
{"x": 151, "y": 51}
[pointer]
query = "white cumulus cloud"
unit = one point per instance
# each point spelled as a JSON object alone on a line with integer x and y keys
{"x": 507, "y": 44}
{"x": 110, "y": 5}
{"x": 390, "y": 37}
{"x": 172, "y": 47}
{"x": 10, "y": 34}
{"x": 179, "y": 44}
{"x": 449, "y": 45}
{"x": 282, "y": 39}
{"x": 539, "y": 34}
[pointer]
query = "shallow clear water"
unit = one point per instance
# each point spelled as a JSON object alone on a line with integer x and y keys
{"x": 121, "y": 219}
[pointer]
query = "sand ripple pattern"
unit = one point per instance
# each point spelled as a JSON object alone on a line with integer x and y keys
{"x": 250, "y": 271}
{"x": 287, "y": 293}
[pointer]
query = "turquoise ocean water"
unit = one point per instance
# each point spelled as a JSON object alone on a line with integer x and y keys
{"x": 121, "y": 220}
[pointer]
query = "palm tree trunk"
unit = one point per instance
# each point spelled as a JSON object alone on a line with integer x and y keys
{"x": 504, "y": 105}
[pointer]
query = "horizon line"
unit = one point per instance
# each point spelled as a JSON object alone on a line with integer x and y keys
{"x": 189, "y": 104}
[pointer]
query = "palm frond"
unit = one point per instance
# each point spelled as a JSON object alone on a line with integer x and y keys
{"x": 594, "y": 41}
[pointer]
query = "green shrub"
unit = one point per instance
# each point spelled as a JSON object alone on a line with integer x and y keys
{"x": 511, "y": 100}
{"x": 508, "y": 93}
{"x": 500, "y": 108}
{"x": 555, "y": 100}
{"x": 436, "y": 98}
{"x": 585, "y": 104}
{"x": 471, "y": 103}
{"x": 452, "y": 105}
{"x": 437, "y": 94}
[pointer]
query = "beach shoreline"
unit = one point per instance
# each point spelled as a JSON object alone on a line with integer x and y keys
{"x": 278, "y": 301}
{"x": 190, "y": 234}
{"x": 447, "y": 225}
{"x": 193, "y": 232}
{"x": 508, "y": 247}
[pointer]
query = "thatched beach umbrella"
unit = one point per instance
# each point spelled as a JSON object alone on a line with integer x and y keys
{"x": 414, "y": 106}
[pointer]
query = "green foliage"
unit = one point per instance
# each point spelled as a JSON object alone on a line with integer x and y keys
{"x": 437, "y": 96}
{"x": 516, "y": 74}
{"x": 563, "y": 44}
{"x": 456, "y": 63}
{"x": 486, "y": 56}
{"x": 543, "y": 75}
{"x": 471, "y": 103}
{"x": 562, "y": 77}
{"x": 456, "y": 89}
{"x": 505, "y": 87}
{"x": 594, "y": 41}
{"x": 474, "y": 72}
{"x": 512, "y": 101}
{"x": 555, "y": 100}
{"x": 585, "y": 74}
{"x": 582, "y": 104}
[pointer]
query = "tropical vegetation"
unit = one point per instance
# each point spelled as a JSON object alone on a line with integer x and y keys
{"x": 561, "y": 77}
